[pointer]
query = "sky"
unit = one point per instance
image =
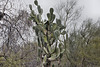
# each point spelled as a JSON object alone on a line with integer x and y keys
{"x": 91, "y": 7}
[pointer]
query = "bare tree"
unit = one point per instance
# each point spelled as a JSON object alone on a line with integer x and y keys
{"x": 16, "y": 36}
{"x": 68, "y": 12}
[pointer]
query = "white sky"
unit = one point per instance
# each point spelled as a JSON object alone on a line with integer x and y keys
{"x": 91, "y": 7}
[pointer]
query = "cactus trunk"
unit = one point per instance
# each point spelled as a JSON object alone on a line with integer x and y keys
{"x": 48, "y": 64}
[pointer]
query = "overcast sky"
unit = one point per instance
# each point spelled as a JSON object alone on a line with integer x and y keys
{"x": 91, "y": 7}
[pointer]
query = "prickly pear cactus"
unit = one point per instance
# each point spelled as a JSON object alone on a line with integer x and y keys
{"x": 48, "y": 35}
